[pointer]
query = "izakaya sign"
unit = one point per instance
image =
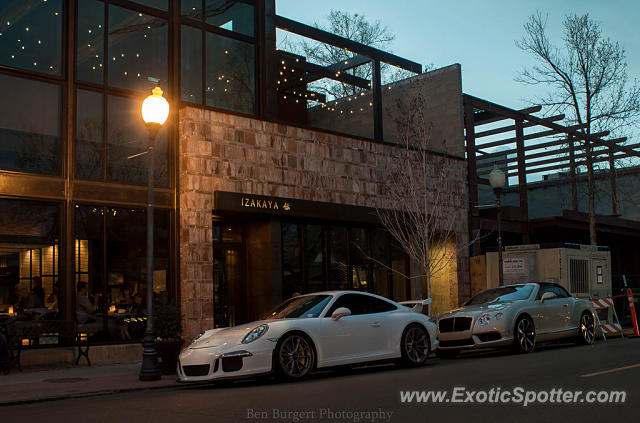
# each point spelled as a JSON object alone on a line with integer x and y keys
{"x": 257, "y": 203}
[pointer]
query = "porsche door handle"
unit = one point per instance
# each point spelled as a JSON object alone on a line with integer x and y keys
{"x": 375, "y": 325}
{"x": 565, "y": 305}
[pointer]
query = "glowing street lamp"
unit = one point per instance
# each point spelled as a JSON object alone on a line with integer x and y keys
{"x": 155, "y": 111}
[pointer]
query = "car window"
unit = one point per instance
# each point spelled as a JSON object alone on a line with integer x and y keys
{"x": 300, "y": 307}
{"x": 554, "y": 289}
{"x": 357, "y": 303}
{"x": 501, "y": 294}
{"x": 380, "y": 306}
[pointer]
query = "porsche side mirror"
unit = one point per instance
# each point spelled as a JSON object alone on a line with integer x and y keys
{"x": 546, "y": 296}
{"x": 340, "y": 313}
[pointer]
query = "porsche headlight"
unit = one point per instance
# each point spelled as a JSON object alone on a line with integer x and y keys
{"x": 255, "y": 334}
{"x": 194, "y": 340}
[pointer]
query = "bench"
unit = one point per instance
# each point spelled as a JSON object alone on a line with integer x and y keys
{"x": 39, "y": 334}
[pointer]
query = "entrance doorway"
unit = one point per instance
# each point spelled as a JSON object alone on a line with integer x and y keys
{"x": 229, "y": 286}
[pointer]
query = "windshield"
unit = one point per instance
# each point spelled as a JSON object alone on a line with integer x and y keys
{"x": 303, "y": 307}
{"x": 505, "y": 293}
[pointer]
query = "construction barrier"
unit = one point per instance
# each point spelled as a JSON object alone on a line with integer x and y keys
{"x": 632, "y": 308}
{"x": 607, "y": 328}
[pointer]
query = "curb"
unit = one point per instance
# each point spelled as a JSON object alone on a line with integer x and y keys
{"x": 96, "y": 394}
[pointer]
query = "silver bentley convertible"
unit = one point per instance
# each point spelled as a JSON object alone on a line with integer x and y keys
{"x": 517, "y": 316}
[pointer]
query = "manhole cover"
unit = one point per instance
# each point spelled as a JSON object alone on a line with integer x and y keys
{"x": 67, "y": 380}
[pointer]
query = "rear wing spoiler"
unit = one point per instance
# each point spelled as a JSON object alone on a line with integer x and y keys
{"x": 416, "y": 305}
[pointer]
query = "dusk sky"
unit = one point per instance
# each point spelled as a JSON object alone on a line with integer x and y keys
{"x": 480, "y": 35}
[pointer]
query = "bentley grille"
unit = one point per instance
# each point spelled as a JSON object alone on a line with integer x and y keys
{"x": 454, "y": 324}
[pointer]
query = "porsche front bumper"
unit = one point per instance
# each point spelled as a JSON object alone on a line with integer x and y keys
{"x": 204, "y": 364}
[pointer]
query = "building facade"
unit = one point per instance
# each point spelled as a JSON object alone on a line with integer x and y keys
{"x": 260, "y": 192}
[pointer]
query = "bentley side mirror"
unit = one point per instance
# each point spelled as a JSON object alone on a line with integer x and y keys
{"x": 340, "y": 312}
{"x": 547, "y": 296}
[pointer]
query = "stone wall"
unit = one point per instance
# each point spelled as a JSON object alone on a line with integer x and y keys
{"x": 219, "y": 151}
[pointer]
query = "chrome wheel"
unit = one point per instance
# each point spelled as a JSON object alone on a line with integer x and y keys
{"x": 525, "y": 335}
{"x": 415, "y": 345}
{"x": 587, "y": 328}
{"x": 295, "y": 357}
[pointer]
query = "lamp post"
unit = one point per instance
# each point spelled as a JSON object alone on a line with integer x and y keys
{"x": 497, "y": 179}
{"x": 155, "y": 111}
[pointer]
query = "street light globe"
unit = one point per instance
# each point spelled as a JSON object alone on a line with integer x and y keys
{"x": 155, "y": 109}
{"x": 497, "y": 178}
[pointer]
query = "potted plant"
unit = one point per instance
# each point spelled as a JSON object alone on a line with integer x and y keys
{"x": 168, "y": 328}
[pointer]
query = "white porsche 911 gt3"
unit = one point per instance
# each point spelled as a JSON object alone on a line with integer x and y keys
{"x": 319, "y": 330}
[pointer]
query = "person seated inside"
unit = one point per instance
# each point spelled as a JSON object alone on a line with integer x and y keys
{"x": 87, "y": 318}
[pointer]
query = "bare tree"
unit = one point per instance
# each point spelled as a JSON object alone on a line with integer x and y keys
{"x": 355, "y": 27}
{"x": 425, "y": 214}
{"x": 588, "y": 82}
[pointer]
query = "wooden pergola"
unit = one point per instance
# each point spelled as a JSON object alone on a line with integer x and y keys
{"x": 523, "y": 155}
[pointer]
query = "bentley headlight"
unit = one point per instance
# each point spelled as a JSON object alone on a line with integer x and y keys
{"x": 487, "y": 317}
{"x": 255, "y": 334}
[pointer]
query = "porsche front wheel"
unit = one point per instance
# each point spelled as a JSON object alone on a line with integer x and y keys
{"x": 294, "y": 357}
{"x": 414, "y": 345}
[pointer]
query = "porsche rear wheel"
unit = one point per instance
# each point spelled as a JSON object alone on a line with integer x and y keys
{"x": 294, "y": 357}
{"x": 415, "y": 345}
{"x": 587, "y": 326}
{"x": 524, "y": 335}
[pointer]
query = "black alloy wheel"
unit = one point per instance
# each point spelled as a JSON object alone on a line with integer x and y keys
{"x": 415, "y": 345}
{"x": 587, "y": 328}
{"x": 294, "y": 357}
{"x": 524, "y": 335}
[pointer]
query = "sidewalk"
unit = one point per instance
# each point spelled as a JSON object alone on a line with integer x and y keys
{"x": 33, "y": 385}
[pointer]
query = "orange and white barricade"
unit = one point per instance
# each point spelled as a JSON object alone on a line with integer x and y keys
{"x": 607, "y": 328}
{"x": 632, "y": 309}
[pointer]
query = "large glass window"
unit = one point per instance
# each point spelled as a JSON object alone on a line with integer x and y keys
{"x": 191, "y": 74}
{"x": 89, "y": 135}
{"x": 338, "y": 265}
{"x": 292, "y": 281}
{"x": 29, "y": 258}
{"x": 31, "y": 35}
{"x": 90, "y": 49}
{"x": 314, "y": 258}
{"x": 399, "y": 279}
{"x": 358, "y": 255}
{"x": 113, "y": 269}
{"x": 127, "y": 138}
{"x": 29, "y": 126}
{"x": 138, "y": 49}
{"x": 380, "y": 254}
{"x": 231, "y": 15}
{"x": 230, "y": 74}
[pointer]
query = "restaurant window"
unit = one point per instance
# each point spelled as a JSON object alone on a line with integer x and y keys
{"x": 338, "y": 261}
{"x": 230, "y": 74}
{"x": 127, "y": 138}
{"x": 381, "y": 264}
{"x": 292, "y": 280}
{"x": 359, "y": 258}
{"x": 31, "y": 35}
{"x": 110, "y": 257}
{"x": 191, "y": 59}
{"x": 138, "y": 49}
{"x": 89, "y": 133}
{"x": 29, "y": 126}
{"x": 400, "y": 270}
{"x": 232, "y": 15}
{"x": 314, "y": 258}
{"x": 29, "y": 259}
{"x": 90, "y": 54}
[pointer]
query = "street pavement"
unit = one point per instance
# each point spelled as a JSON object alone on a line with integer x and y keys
{"x": 372, "y": 394}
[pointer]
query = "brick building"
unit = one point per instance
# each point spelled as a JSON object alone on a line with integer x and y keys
{"x": 266, "y": 180}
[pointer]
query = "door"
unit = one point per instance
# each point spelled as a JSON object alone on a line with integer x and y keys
{"x": 556, "y": 312}
{"x": 350, "y": 338}
{"x": 229, "y": 286}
